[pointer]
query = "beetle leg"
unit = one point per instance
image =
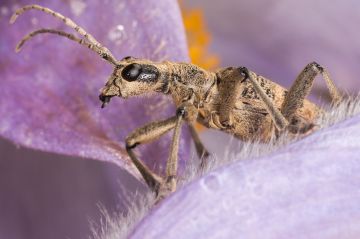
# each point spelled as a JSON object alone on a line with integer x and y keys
{"x": 147, "y": 134}
{"x": 191, "y": 114}
{"x": 229, "y": 90}
{"x": 302, "y": 86}
{"x": 169, "y": 184}
{"x": 300, "y": 90}
{"x": 201, "y": 151}
{"x": 162, "y": 187}
{"x": 279, "y": 120}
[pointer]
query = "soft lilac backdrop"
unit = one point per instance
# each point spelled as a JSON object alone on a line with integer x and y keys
{"x": 277, "y": 38}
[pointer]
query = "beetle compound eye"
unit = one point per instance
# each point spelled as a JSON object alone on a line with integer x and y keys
{"x": 131, "y": 72}
{"x": 144, "y": 73}
{"x": 149, "y": 74}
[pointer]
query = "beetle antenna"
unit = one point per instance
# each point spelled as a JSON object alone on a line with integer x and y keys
{"x": 92, "y": 43}
{"x": 67, "y": 35}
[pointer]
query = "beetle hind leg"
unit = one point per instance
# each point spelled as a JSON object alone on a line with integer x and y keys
{"x": 299, "y": 125}
{"x": 302, "y": 86}
{"x": 300, "y": 89}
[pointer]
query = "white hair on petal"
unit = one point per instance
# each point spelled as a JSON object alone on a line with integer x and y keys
{"x": 114, "y": 225}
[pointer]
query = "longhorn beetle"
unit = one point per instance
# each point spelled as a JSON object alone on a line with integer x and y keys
{"x": 233, "y": 99}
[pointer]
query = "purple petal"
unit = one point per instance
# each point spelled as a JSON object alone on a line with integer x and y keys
{"x": 310, "y": 189}
{"x": 49, "y": 92}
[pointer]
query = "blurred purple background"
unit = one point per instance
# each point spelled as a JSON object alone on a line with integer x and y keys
{"x": 44, "y": 195}
{"x": 277, "y": 38}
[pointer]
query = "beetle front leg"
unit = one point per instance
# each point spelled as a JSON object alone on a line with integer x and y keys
{"x": 161, "y": 187}
{"x": 169, "y": 184}
{"x": 147, "y": 134}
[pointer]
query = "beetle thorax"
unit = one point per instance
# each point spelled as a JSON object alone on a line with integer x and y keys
{"x": 188, "y": 82}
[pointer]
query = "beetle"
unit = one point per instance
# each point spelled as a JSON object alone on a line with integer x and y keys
{"x": 235, "y": 100}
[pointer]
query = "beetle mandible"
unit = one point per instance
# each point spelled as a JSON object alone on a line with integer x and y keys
{"x": 233, "y": 99}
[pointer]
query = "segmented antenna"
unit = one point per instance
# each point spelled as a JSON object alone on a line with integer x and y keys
{"x": 92, "y": 43}
{"x": 57, "y": 32}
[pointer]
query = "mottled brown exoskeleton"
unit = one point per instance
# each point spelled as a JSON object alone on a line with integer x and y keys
{"x": 234, "y": 100}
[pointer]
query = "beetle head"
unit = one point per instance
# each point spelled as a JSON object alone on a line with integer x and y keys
{"x": 132, "y": 77}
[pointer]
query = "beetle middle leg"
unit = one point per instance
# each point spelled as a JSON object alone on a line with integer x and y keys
{"x": 237, "y": 76}
{"x": 201, "y": 151}
{"x": 229, "y": 89}
{"x": 231, "y": 79}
